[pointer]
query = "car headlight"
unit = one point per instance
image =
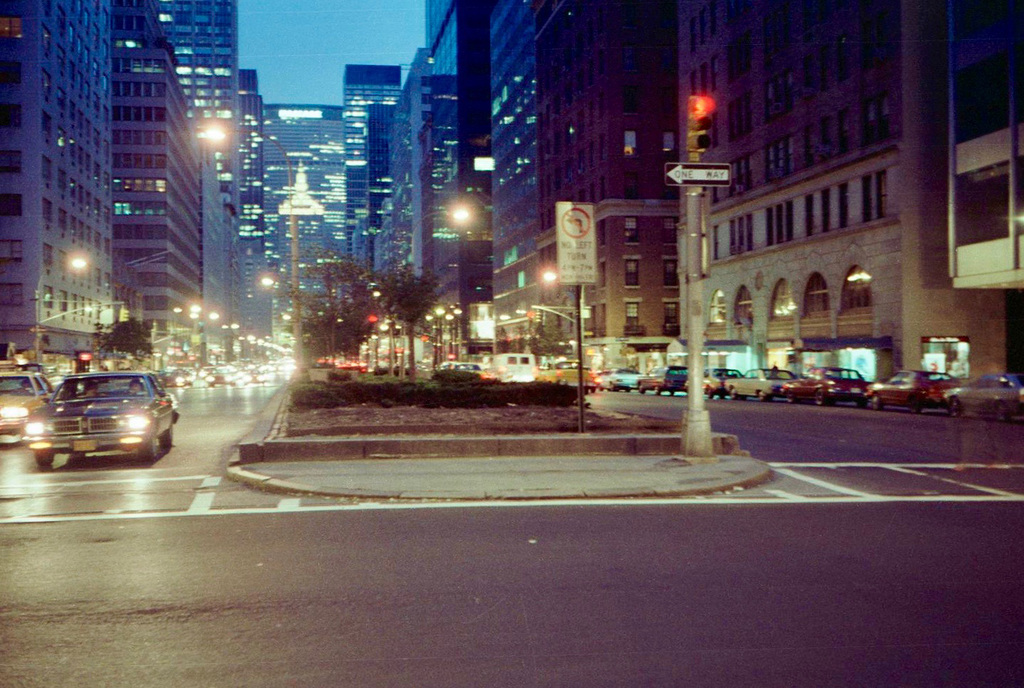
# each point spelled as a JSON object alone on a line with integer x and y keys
{"x": 13, "y": 412}
{"x": 137, "y": 422}
{"x": 35, "y": 428}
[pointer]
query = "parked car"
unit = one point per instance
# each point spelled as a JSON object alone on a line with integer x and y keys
{"x": 21, "y": 393}
{"x": 466, "y": 367}
{"x": 669, "y": 379}
{"x": 1000, "y": 395}
{"x": 565, "y": 373}
{"x": 827, "y": 385}
{"x": 716, "y": 381}
{"x": 915, "y": 389}
{"x": 176, "y": 378}
{"x": 91, "y": 413}
{"x": 619, "y": 379}
{"x": 762, "y": 383}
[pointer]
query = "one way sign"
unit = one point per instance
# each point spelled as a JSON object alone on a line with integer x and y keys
{"x": 696, "y": 174}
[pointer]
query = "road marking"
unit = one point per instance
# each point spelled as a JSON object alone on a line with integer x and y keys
{"x": 787, "y": 495}
{"x": 142, "y": 478}
{"x": 202, "y": 503}
{"x": 290, "y": 504}
{"x": 212, "y": 481}
{"x": 828, "y": 486}
{"x": 875, "y": 464}
{"x": 543, "y": 504}
{"x": 901, "y": 469}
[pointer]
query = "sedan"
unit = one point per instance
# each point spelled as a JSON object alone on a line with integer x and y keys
{"x": 716, "y": 381}
{"x": 94, "y": 413}
{"x": 669, "y": 379}
{"x": 1000, "y": 395}
{"x": 827, "y": 385}
{"x": 20, "y": 394}
{"x": 620, "y": 379}
{"x": 763, "y": 383}
{"x": 915, "y": 389}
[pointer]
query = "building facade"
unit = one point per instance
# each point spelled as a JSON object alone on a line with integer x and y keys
{"x": 55, "y": 179}
{"x": 156, "y": 178}
{"x": 830, "y": 246}
{"x": 255, "y": 311}
{"x": 607, "y": 124}
{"x": 460, "y": 163}
{"x": 371, "y": 94}
{"x": 514, "y": 185}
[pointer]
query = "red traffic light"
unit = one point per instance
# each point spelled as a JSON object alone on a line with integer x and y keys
{"x": 699, "y": 107}
{"x": 372, "y": 318}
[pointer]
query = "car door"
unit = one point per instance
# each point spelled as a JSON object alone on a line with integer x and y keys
{"x": 896, "y": 390}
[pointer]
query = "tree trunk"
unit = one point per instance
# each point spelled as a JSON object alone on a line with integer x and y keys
{"x": 410, "y": 351}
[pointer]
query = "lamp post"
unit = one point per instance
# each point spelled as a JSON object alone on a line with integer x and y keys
{"x": 77, "y": 264}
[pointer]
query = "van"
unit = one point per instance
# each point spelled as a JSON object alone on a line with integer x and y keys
{"x": 515, "y": 367}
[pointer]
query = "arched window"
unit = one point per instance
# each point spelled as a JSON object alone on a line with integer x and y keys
{"x": 856, "y": 289}
{"x": 717, "y": 308}
{"x": 782, "y": 301}
{"x": 743, "y": 308}
{"x": 816, "y": 296}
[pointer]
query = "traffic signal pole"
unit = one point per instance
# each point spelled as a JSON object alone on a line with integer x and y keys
{"x": 697, "y": 444}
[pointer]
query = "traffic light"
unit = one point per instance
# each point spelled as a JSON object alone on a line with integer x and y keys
{"x": 698, "y": 123}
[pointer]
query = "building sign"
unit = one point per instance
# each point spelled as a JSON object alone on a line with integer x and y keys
{"x": 576, "y": 243}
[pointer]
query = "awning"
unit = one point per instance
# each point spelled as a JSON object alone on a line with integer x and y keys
{"x": 679, "y": 345}
{"x": 644, "y": 347}
{"x": 830, "y": 344}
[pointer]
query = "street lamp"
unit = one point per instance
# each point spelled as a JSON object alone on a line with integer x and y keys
{"x": 77, "y": 263}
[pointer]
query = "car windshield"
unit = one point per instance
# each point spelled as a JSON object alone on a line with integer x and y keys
{"x": 843, "y": 374}
{"x": 937, "y": 377}
{"x": 16, "y": 385}
{"x": 114, "y": 387}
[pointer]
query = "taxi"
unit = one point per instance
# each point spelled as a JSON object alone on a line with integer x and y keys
{"x": 21, "y": 393}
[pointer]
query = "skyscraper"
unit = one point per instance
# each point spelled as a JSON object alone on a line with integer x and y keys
{"x": 55, "y": 197}
{"x": 156, "y": 177}
{"x": 458, "y": 37}
{"x": 371, "y": 92}
{"x": 304, "y": 145}
{"x": 256, "y": 303}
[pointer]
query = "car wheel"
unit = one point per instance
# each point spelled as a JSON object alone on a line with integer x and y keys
{"x": 763, "y": 396}
{"x": 791, "y": 397}
{"x": 819, "y": 398}
{"x": 915, "y": 405}
{"x": 1004, "y": 412}
{"x": 642, "y": 390}
{"x": 149, "y": 450}
{"x": 167, "y": 439}
{"x": 736, "y": 395}
{"x": 861, "y": 403}
{"x": 955, "y": 408}
{"x": 44, "y": 459}
{"x": 877, "y": 403}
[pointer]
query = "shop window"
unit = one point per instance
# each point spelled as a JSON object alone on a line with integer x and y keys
{"x": 816, "y": 296}
{"x": 856, "y": 290}
{"x": 743, "y": 308}
{"x": 716, "y": 309}
{"x": 782, "y": 301}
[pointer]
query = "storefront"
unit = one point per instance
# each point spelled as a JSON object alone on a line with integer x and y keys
{"x": 870, "y": 356}
{"x": 946, "y": 355}
{"x": 718, "y": 353}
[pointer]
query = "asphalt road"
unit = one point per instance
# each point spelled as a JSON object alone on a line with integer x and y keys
{"x": 778, "y": 431}
{"x": 810, "y": 595}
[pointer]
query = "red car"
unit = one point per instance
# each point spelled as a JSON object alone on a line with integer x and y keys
{"x": 828, "y": 385}
{"x": 915, "y": 389}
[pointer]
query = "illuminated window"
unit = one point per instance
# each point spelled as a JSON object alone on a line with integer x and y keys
{"x": 816, "y": 296}
{"x": 10, "y": 27}
{"x": 782, "y": 301}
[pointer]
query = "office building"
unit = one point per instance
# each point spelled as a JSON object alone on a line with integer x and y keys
{"x": 55, "y": 196}
{"x": 371, "y": 93}
{"x": 401, "y": 239}
{"x": 460, "y": 163}
{"x": 156, "y": 180}
{"x": 514, "y": 185}
{"x": 831, "y": 246}
{"x": 607, "y": 124}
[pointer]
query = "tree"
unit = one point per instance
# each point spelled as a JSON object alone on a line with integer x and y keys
{"x": 548, "y": 337}
{"x": 408, "y": 298}
{"x": 336, "y": 311}
{"x": 130, "y": 337}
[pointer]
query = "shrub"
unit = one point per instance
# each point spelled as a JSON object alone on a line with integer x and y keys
{"x": 314, "y": 395}
{"x": 454, "y": 377}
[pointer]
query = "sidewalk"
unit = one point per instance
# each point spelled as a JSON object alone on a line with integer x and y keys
{"x": 485, "y": 468}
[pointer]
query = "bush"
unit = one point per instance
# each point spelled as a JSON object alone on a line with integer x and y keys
{"x": 479, "y": 394}
{"x": 455, "y": 377}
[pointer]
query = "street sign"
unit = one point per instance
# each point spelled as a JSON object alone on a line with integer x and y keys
{"x": 697, "y": 173}
{"x": 576, "y": 243}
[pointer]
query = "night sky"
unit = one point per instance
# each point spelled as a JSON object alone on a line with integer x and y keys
{"x": 300, "y": 50}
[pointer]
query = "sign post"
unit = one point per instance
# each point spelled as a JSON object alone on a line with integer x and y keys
{"x": 577, "y": 265}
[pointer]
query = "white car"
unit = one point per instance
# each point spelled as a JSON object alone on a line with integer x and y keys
{"x": 762, "y": 383}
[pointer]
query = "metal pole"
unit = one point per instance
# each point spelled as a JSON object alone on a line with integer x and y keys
{"x": 580, "y": 387}
{"x": 696, "y": 438}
